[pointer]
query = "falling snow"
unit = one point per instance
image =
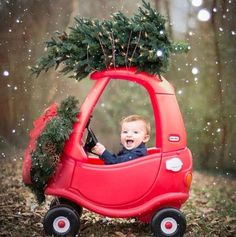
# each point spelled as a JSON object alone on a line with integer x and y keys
{"x": 221, "y": 29}
{"x": 159, "y": 53}
{"x": 195, "y": 71}
{"x": 6, "y": 73}
{"x": 197, "y": 3}
{"x": 204, "y": 15}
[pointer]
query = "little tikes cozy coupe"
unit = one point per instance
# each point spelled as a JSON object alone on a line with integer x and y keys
{"x": 151, "y": 188}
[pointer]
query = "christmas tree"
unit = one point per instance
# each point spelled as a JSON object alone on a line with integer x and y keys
{"x": 93, "y": 45}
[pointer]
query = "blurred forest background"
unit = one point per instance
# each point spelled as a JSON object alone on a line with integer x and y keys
{"x": 203, "y": 78}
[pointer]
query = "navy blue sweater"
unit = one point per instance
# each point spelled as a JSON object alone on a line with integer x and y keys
{"x": 124, "y": 155}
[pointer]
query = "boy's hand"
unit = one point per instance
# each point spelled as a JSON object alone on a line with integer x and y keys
{"x": 98, "y": 149}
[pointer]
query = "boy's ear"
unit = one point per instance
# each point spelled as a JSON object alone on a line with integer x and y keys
{"x": 146, "y": 138}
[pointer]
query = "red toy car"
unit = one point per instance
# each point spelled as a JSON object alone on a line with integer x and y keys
{"x": 151, "y": 188}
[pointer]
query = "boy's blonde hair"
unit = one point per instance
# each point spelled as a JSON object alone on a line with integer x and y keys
{"x": 135, "y": 117}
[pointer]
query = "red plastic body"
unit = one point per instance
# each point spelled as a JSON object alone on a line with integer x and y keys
{"x": 136, "y": 188}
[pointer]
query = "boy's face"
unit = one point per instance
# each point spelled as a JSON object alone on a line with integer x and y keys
{"x": 133, "y": 134}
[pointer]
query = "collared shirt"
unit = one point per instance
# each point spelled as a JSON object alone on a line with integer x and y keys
{"x": 124, "y": 155}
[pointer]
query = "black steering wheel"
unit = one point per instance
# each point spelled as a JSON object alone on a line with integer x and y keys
{"x": 91, "y": 139}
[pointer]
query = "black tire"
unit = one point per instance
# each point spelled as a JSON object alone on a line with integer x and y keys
{"x": 61, "y": 221}
{"x": 168, "y": 222}
{"x": 66, "y": 202}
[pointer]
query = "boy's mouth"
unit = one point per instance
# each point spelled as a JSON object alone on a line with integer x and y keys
{"x": 129, "y": 142}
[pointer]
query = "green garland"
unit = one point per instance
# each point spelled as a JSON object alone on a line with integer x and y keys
{"x": 50, "y": 144}
{"x": 94, "y": 45}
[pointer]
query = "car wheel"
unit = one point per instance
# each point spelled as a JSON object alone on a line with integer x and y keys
{"x": 61, "y": 221}
{"x": 168, "y": 222}
{"x": 63, "y": 201}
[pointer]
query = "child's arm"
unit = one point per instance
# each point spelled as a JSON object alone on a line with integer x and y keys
{"x": 110, "y": 158}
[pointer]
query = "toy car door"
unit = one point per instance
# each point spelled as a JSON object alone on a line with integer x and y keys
{"x": 119, "y": 184}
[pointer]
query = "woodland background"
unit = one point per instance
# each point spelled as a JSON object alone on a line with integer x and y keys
{"x": 204, "y": 78}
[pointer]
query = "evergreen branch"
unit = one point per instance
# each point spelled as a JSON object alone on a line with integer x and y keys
{"x": 179, "y": 47}
{"x": 88, "y": 59}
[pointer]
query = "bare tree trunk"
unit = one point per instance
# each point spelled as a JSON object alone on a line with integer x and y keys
{"x": 157, "y": 4}
{"x": 22, "y": 96}
{"x": 170, "y": 28}
{"x": 59, "y": 85}
{"x": 219, "y": 81}
{"x": 75, "y": 11}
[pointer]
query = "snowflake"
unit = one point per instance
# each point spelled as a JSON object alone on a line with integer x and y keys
{"x": 6, "y": 73}
{"x": 197, "y": 3}
{"x": 159, "y": 53}
{"x": 195, "y": 71}
{"x": 203, "y": 15}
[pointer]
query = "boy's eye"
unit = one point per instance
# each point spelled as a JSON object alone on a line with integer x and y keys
{"x": 135, "y": 132}
{"x": 124, "y": 132}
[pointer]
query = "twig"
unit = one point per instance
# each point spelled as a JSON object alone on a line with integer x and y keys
{"x": 127, "y": 51}
{"x": 100, "y": 42}
{"x": 139, "y": 36}
{"x": 111, "y": 38}
{"x": 113, "y": 50}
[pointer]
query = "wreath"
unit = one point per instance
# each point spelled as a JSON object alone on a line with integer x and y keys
{"x": 51, "y": 131}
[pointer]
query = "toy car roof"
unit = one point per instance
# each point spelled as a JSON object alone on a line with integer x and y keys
{"x": 152, "y": 83}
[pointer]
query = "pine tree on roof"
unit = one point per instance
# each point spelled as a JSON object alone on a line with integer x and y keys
{"x": 93, "y": 45}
